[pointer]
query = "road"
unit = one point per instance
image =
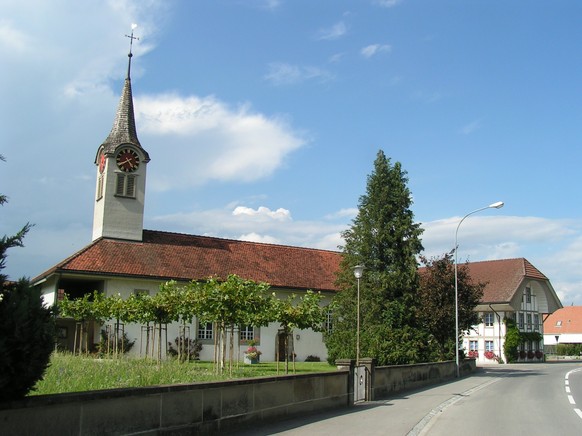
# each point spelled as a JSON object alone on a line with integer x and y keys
{"x": 532, "y": 399}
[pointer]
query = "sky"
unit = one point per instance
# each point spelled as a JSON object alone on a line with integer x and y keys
{"x": 263, "y": 119}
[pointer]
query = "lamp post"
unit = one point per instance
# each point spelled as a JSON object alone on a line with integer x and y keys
{"x": 497, "y": 205}
{"x": 358, "y": 271}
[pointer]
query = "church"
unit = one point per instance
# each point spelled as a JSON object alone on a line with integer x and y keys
{"x": 125, "y": 259}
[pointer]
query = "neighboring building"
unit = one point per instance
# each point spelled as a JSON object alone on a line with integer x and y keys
{"x": 514, "y": 289}
{"x": 564, "y": 326}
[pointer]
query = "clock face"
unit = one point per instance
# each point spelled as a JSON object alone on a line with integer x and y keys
{"x": 127, "y": 160}
{"x": 102, "y": 163}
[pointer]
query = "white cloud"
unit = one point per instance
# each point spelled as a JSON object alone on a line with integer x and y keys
{"x": 471, "y": 127}
{"x": 387, "y": 3}
{"x": 263, "y": 212}
{"x": 344, "y": 213}
{"x": 374, "y": 49}
{"x": 261, "y": 224}
{"x": 334, "y": 32}
{"x": 287, "y": 74}
{"x": 211, "y": 140}
{"x": 255, "y": 237}
{"x": 13, "y": 40}
{"x": 335, "y": 58}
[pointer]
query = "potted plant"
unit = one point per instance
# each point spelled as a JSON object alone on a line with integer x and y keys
{"x": 473, "y": 354}
{"x": 539, "y": 354}
{"x": 490, "y": 355}
{"x": 252, "y": 354}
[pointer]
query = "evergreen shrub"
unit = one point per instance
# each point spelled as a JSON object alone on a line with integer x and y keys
{"x": 27, "y": 339}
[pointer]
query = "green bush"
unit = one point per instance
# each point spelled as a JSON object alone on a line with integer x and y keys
{"x": 27, "y": 339}
{"x": 311, "y": 358}
{"x": 569, "y": 350}
{"x": 186, "y": 349}
{"x": 107, "y": 344}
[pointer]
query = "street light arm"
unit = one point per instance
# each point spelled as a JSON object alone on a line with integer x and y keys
{"x": 496, "y": 205}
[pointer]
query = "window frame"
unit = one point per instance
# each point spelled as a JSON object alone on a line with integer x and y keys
{"x": 208, "y": 333}
{"x": 489, "y": 345}
{"x": 489, "y": 319}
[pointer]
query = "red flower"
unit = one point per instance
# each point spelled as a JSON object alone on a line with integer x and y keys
{"x": 490, "y": 355}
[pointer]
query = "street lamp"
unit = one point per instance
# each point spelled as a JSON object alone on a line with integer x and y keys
{"x": 358, "y": 271}
{"x": 497, "y": 205}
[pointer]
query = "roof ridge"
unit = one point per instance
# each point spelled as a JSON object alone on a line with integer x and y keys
{"x": 241, "y": 241}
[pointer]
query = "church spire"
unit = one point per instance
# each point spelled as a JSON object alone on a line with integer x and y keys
{"x": 124, "y": 130}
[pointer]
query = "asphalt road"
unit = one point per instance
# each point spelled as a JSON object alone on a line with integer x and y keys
{"x": 532, "y": 399}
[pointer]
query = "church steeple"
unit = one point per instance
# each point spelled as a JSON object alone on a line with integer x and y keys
{"x": 121, "y": 173}
{"x": 124, "y": 130}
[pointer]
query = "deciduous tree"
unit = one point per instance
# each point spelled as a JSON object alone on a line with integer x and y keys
{"x": 437, "y": 297}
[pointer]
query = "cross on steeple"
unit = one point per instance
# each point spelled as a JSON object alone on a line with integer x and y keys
{"x": 130, "y": 54}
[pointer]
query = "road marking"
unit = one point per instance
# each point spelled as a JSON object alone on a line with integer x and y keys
{"x": 568, "y": 390}
{"x": 423, "y": 426}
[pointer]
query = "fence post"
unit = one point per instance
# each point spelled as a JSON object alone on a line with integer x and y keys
{"x": 350, "y": 365}
{"x": 370, "y": 364}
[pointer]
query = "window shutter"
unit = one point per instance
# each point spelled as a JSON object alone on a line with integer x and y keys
{"x": 120, "y": 189}
{"x": 130, "y": 188}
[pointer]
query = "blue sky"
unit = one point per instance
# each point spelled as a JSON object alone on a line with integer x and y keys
{"x": 263, "y": 118}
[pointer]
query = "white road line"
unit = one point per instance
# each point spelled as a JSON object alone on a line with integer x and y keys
{"x": 568, "y": 391}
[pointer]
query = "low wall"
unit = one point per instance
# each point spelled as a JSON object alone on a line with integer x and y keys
{"x": 388, "y": 380}
{"x": 211, "y": 408}
{"x": 200, "y": 408}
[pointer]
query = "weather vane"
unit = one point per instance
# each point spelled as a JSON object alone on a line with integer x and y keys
{"x": 131, "y": 38}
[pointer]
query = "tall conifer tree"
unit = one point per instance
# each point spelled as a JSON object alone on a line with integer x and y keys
{"x": 386, "y": 240}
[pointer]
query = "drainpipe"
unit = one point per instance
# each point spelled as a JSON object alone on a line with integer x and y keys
{"x": 499, "y": 321}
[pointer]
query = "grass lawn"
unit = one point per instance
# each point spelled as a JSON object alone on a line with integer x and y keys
{"x": 68, "y": 373}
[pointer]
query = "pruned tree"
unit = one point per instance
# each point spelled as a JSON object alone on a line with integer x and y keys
{"x": 229, "y": 304}
{"x": 83, "y": 310}
{"x": 437, "y": 309}
{"x": 385, "y": 239}
{"x": 301, "y": 313}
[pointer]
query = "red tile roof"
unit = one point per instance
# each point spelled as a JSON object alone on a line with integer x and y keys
{"x": 166, "y": 256}
{"x": 175, "y": 256}
{"x": 571, "y": 321}
{"x": 502, "y": 277}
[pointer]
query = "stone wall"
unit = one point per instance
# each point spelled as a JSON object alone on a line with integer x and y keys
{"x": 212, "y": 408}
{"x": 388, "y": 380}
{"x": 200, "y": 408}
